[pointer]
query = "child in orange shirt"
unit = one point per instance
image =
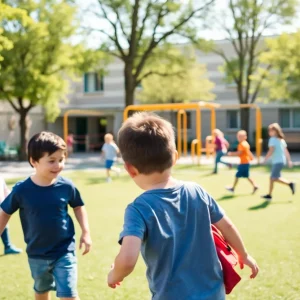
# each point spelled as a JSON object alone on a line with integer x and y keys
{"x": 246, "y": 156}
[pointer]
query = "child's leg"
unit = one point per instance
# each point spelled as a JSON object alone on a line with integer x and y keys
{"x": 5, "y": 238}
{"x": 255, "y": 187}
{"x": 217, "y": 160}
{"x": 236, "y": 180}
{"x": 45, "y": 296}
{"x": 108, "y": 173}
{"x": 9, "y": 248}
{"x": 65, "y": 275}
{"x": 271, "y": 187}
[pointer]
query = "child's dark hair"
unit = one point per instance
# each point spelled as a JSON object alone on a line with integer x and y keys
{"x": 44, "y": 142}
{"x": 147, "y": 142}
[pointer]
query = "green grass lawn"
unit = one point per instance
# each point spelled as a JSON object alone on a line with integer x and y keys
{"x": 271, "y": 233}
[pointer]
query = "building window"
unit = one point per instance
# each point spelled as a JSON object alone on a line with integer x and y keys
{"x": 93, "y": 82}
{"x": 289, "y": 118}
{"x": 233, "y": 119}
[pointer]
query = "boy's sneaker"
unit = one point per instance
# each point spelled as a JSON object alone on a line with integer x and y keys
{"x": 255, "y": 190}
{"x": 230, "y": 189}
{"x": 108, "y": 179}
{"x": 12, "y": 250}
{"x": 267, "y": 197}
{"x": 292, "y": 187}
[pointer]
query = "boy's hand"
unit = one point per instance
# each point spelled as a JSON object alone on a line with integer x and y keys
{"x": 229, "y": 153}
{"x": 112, "y": 283}
{"x": 87, "y": 241}
{"x": 290, "y": 164}
{"x": 251, "y": 263}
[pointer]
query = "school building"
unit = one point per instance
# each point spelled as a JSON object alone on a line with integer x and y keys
{"x": 105, "y": 95}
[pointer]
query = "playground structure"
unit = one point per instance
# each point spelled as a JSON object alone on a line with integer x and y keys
{"x": 181, "y": 107}
{"x": 182, "y": 143}
{"x": 196, "y": 145}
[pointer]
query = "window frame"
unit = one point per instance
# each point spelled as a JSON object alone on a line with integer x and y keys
{"x": 98, "y": 83}
{"x": 228, "y": 120}
{"x": 291, "y": 112}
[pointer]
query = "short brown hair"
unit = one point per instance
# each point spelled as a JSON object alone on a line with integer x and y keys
{"x": 147, "y": 142}
{"x": 44, "y": 142}
{"x": 276, "y": 127}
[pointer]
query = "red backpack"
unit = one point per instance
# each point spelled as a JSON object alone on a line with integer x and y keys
{"x": 228, "y": 259}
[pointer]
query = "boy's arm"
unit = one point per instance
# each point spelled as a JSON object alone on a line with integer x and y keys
{"x": 82, "y": 218}
{"x": 4, "y": 218}
{"x": 234, "y": 239}
{"x": 235, "y": 153}
{"x": 125, "y": 260}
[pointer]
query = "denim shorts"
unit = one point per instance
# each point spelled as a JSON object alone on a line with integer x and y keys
{"x": 243, "y": 171}
{"x": 276, "y": 170}
{"x": 58, "y": 275}
{"x": 109, "y": 163}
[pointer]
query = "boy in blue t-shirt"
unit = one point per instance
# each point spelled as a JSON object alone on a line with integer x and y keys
{"x": 48, "y": 229}
{"x": 170, "y": 223}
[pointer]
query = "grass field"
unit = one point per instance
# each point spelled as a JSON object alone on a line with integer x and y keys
{"x": 271, "y": 233}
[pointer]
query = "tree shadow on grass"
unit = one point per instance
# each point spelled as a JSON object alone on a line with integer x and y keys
{"x": 263, "y": 205}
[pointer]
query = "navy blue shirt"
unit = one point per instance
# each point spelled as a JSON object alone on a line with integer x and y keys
{"x": 177, "y": 244}
{"x": 48, "y": 229}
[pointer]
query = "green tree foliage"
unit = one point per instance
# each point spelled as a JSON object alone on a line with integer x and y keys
{"x": 136, "y": 28}
{"x": 282, "y": 80}
{"x": 10, "y": 13}
{"x": 245, "y": 24}
{"x": 188, "y": 80}
{"x": 36, "y": 70}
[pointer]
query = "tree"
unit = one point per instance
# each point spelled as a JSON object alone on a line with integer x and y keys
{"x": 36, "y": 70}
{"x": 245, "y": 26}
{"x": 282, "y": 81}
{"x": 137, "y": 27}
{"x": 188, "y": 80}
{"x": 11, "y": 13}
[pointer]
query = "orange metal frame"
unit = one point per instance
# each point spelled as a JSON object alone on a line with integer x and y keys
{"x": 181, "y": 107}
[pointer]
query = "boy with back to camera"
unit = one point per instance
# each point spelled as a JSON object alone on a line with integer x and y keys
{"x": 43, "y": 201}
{"x": 171, "y": 221}
{"x": 245, "y": 155}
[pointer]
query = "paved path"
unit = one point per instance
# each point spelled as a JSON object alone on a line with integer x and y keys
{"x": 92, "y": 161}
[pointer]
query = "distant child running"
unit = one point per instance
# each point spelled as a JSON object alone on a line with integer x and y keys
{"x": 43, "y": 201}
{"x": 221, "y": 146}
{"x": 110, "y": 151}
{"x": 279, "y": 154}
{"x": 246, "y": 156}
{"x": 170, "y": 223}
{"x": 9, "y": 248}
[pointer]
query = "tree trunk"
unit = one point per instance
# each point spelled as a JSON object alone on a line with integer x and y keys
{"x": 245, "y": 116}
{"x": 24, "y": 132}
{"x": 129, "y": 84}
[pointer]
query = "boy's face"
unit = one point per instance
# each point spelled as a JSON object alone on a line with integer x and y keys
{"x": 49, "y": 166}
{"x": 241, "y": 137}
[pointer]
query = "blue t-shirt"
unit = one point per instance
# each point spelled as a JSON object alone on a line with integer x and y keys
{"x": 177, "y": 245}
{"x": 278, "y": 156}
{"x": 48, "y": 229}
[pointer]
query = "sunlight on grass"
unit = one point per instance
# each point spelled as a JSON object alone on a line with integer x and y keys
{"x": 271, "y": 233}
